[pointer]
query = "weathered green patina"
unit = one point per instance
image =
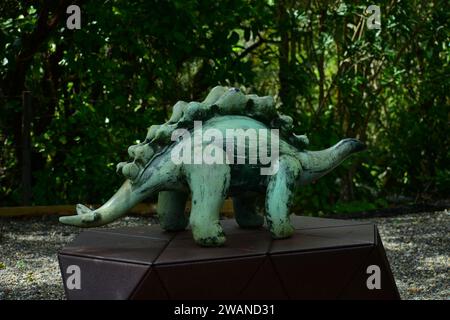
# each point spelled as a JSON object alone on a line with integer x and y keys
{"x": 153, "y": 169}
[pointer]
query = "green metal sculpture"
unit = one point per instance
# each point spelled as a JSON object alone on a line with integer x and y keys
{"x": 213, "y": 149}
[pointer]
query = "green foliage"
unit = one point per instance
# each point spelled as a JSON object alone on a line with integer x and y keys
{"x": 97, "y": 89}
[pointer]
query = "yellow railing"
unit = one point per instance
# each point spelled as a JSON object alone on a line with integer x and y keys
{"x": 64, "y": 210}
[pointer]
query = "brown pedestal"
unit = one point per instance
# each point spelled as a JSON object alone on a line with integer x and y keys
{"x": 325, "y": 259}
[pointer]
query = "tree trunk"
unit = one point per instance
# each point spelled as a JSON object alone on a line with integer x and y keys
{"x": 283, "y": 51}
{"x": 26, "y": 148}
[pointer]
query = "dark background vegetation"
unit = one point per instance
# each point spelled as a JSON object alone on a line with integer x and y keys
{"x": 94, "y": 91}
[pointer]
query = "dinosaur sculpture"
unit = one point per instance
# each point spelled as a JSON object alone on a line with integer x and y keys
{"x": 153, "y": 169}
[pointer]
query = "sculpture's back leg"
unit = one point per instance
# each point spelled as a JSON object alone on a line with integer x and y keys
{"x": 279, "y": 196}
{"x": 209, "y": 185}
{"x": 171, "y": 205}
{"x": 246, "y": 210}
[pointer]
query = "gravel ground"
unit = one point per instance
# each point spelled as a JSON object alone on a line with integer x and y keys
{"x": 417, "y": 246}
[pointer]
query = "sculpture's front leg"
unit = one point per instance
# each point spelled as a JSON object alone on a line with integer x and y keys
{"x": 209, "y": 185}
{"x": 123, "y": 200}
{"x": 171, "y": 205}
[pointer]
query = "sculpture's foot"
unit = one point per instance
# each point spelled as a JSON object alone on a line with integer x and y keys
{"x": 250, "y": 221}
{"x": 209, "y": 235}
{"x": 281, "y": 230}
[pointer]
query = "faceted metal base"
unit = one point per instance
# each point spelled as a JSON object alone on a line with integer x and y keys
{"x": 325, "y": 259}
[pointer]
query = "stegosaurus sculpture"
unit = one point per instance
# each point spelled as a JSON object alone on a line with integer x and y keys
{"x": 153, "y": 170}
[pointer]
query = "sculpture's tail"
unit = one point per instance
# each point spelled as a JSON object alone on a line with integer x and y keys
{"x": 122, "y": 201}
{"x": 318, "y": 163}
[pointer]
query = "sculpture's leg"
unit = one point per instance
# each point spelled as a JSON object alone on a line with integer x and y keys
{"x": 246, "y": 211}
{"x": 279, "y": 195}
{"x": 209, "y": 185}
{"x": 171, "y": 205}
